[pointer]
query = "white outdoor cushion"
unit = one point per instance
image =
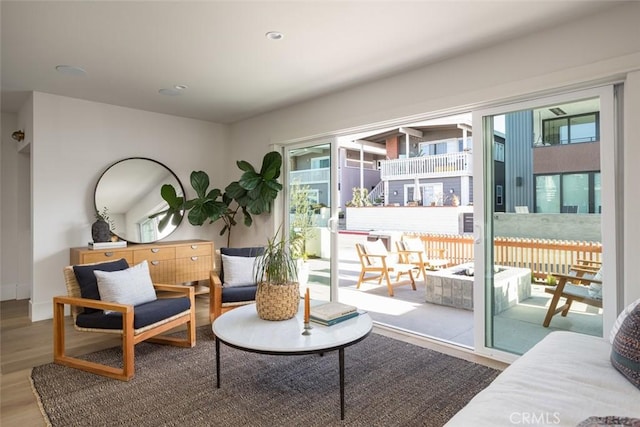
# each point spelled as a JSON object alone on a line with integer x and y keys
{"x": 377, "y": 247}
{"x": 132, "y": 286}
{"x": 238, "y": 270}
{"x": 415, "y": 245}
{"x": 595, "y": 289}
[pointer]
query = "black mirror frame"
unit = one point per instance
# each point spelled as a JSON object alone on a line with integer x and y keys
{"x": 99, "y": 210}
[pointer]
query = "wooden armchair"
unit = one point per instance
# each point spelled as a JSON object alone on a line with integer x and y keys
{"x": 226, "y": 295}
{"x": 133, "y": 323}
{"x": 414, "y": 251}
{"x": 578, "y": 286}
{"x": 375, "y": 259}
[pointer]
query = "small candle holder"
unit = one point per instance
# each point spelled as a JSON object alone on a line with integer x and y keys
{"x": 307, "y": 328}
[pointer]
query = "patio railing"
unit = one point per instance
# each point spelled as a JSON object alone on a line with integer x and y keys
{"x": 541, "y": 256}
{"x": 439, "y": 165}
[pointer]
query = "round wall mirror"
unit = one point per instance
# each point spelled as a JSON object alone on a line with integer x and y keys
{"x": 128, "y": 192}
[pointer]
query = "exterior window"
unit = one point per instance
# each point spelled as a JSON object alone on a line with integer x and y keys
{"x": 499, "y": 195}
{"x": 548, "y": 194}
{"x": 571, "y": 129}
{"x": 444, "y": 146}
{"x": 320, "y": 163}
{"x": 597, "y": 199}
{"x": 568, "y": 193}
{"x": 575, "y": 193}
{"x": 498, "y": 151}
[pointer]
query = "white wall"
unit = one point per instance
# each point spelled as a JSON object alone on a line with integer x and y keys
{"x": 15, "y": 217}
{"x": 594, "y": 49}
{"x": 74, "y": 141}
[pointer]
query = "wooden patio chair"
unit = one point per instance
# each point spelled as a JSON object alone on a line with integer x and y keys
{"x": 374, "y": 258}
{"x": 579, "y": 285}
{"x": 226, "y": 295}
{"x": 144, "y": 322}
{"x": 414, "y": 251}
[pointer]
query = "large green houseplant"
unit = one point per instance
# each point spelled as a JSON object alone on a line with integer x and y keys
{"x": 253, "y": 194}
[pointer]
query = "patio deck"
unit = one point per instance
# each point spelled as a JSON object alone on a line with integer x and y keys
{"x": 516, "y": 329}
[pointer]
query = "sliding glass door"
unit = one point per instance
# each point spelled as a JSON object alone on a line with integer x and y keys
{"x": 310, "y": 219}
{"x": 545, "y": 192}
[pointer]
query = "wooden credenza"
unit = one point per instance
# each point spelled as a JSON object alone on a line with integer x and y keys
{"x": 174, "y": 262}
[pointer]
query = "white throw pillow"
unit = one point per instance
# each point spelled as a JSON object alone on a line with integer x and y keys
{"x": 238, "y": 270}
{"x": 623, "y": 315}
{"x": 132, "y": 286}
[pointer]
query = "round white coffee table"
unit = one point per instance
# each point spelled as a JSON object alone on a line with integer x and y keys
{"x": 241, "y": 328}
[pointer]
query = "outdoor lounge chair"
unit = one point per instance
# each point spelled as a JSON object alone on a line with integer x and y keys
{"x": 374, "y": 258}
{"x": 134, "y": 323}
{"x": 582, "y": 284}
{"x": 414, "y": 251}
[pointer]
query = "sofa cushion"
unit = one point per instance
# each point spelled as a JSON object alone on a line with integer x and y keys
{"x": 625, "y": 350}
{"x": 132, "y": 286}
{"x": 143, "y": 314}
{"x": 253, "y": 251}
{"x": 87, "y": 279}
{"x": 239, "y": 270}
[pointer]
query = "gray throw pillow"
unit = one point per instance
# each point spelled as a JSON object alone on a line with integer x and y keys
{"x": 132, "y": 286}
{"x": 625, "y": 351}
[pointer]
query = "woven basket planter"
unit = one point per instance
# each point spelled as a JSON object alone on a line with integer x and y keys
{"x": 277, "y": 302}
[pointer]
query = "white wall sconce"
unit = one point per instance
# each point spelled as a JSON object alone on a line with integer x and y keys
{"x": 18, "y": 135}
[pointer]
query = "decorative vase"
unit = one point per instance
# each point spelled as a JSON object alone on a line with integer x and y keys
{"x": 100, "y": 231}
{"x": 277, "y": 301}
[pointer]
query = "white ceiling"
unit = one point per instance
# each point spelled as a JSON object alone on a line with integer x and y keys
{"x": 218, "y": 49}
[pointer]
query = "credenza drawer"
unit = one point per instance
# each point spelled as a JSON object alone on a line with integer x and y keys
{"x": 157, "y": 253}
{"x": 193, "y": 250}
{"x": 163, "y": 271}
{"x": 193, "y": 268}
{"x": 105, "y": 256}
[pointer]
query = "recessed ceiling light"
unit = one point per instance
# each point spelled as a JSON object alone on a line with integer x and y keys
{"x": 180, "y": 87}
{"x": 274, "y": 35}
{"x": 70, "y": 70}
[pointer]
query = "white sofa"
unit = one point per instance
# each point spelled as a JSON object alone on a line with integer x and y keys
{"x": 563, "y": 380}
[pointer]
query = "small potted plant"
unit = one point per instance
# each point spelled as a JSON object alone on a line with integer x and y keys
{"x": 278, "y": 294}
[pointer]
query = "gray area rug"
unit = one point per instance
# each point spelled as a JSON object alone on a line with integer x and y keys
{"x": 387, "y": 383}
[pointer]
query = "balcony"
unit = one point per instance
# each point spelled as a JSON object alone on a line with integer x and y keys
{"x": 436, "y": 166}
{"x": 310, "y": 176}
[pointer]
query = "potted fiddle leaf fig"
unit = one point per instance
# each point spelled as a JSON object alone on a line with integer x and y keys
{"x": 253, "y": 194}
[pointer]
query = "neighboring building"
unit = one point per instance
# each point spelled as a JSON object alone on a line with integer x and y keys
{"x": 426, "y": 164}
{"x": 552, "y": 159}
{"x": 545, "y": 161}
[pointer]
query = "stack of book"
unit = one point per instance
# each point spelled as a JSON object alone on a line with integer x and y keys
{"x": 331, "y": 313}
{"x": 108, "y": 245}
